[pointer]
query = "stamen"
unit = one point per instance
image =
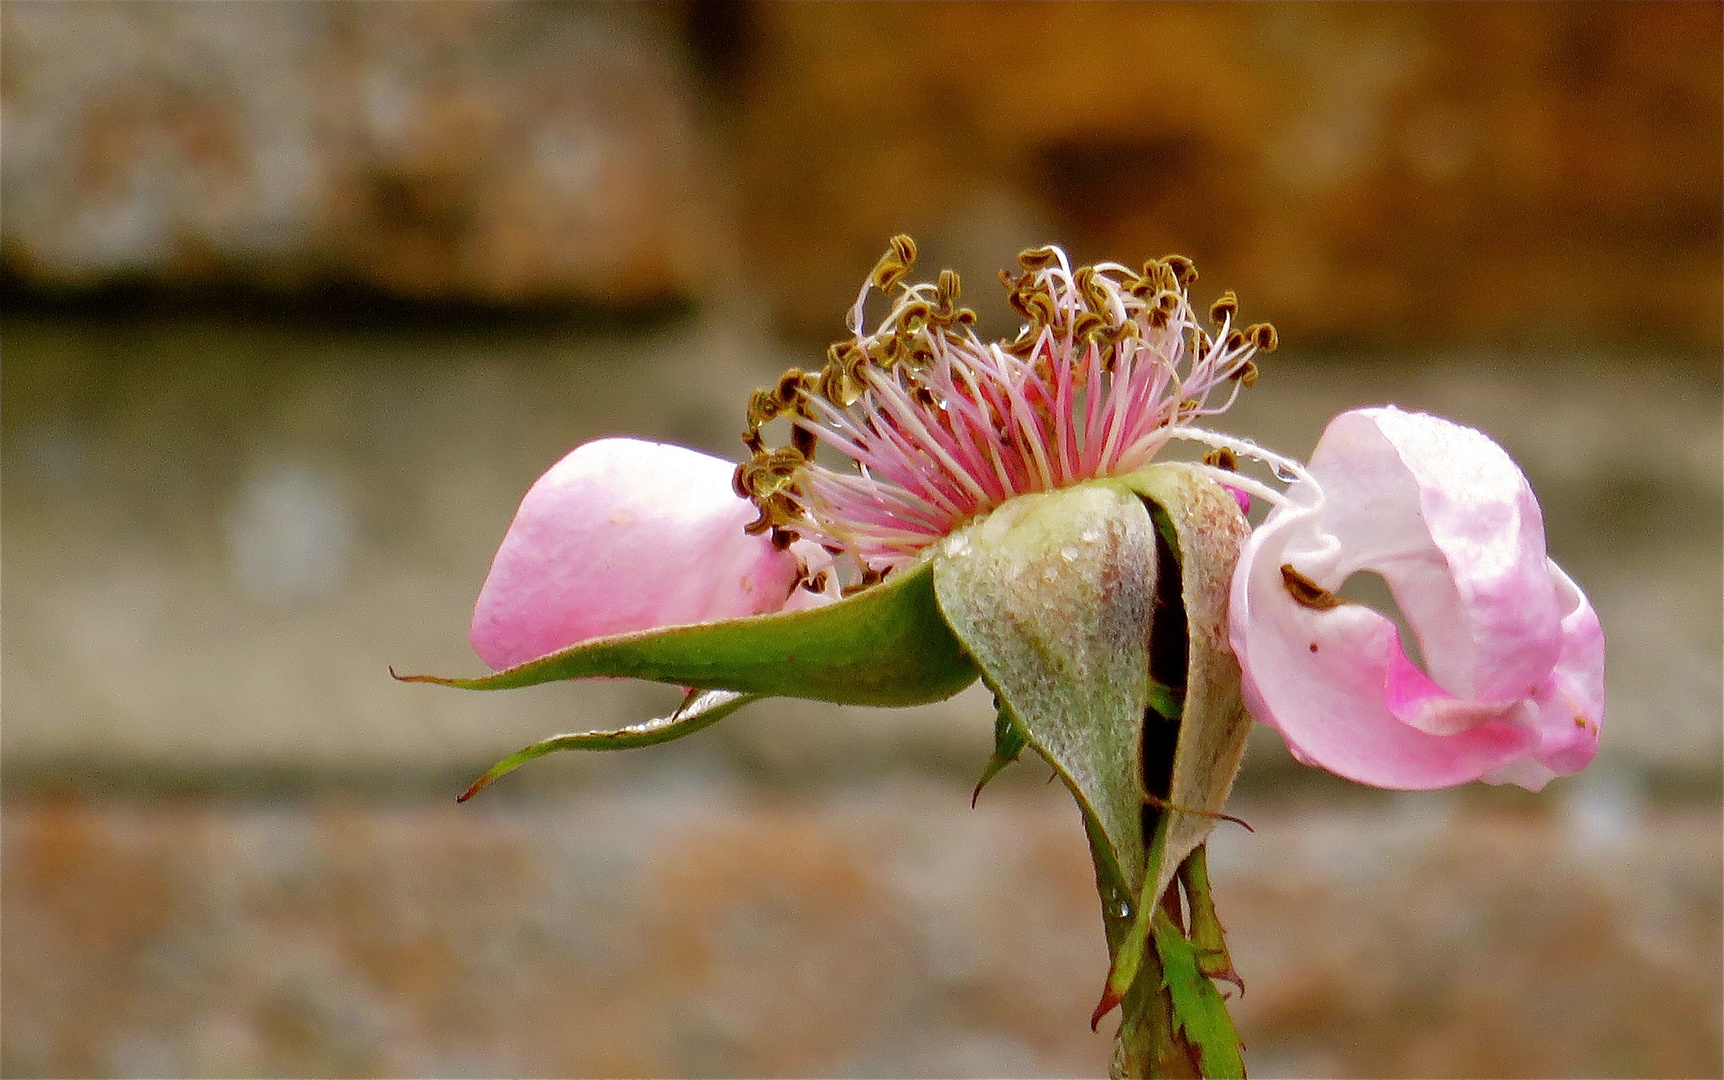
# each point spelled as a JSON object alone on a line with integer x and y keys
{"x": 942, "y": 427}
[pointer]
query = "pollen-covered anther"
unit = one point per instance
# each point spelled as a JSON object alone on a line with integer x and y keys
{"x": 1307, "y": 592}
{"x": 1223, "y": 310}
{"x": 895, "y": 265}
{"x": 1246, "y": 373}
{"x": 1041, "y": 258}
{"x": 1222, "y": 458}
{"x": 1088, "y": 327}
{"x": 790, "y": 387}
{"x": 1183, "y": 269}
{"x": 1263, "y": 336}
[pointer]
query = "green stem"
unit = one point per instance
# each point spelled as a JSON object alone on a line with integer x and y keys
{"x": 1173, "y": 1021}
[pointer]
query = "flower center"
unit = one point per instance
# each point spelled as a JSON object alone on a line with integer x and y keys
{"x": 1109, "y": 364}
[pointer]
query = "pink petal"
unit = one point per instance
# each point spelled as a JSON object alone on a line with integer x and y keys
{"x": 1449, "y": 521}
{"x": 623, "y": 535}
{"x": 1515, "y": 654}
{"x": 1320, "y": 676}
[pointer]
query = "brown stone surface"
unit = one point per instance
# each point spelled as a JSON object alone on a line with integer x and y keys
{"x": 481, "y": 152}
{"x": 1357, "y": 172}
{"x": 886, "y": 930}
{"x": 1371, "y": 172}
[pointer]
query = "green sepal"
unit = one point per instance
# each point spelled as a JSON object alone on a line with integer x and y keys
{"x": 1205, "y": 530}
{"x": 886, "y": 645}
{"x": 1207, "y": 934}
{"x": 1053, "y": 594}
{"x": 1127, "y": 951}
{"x": 1199, "y": 1011}
{"x": 1009, "y": 742}
{"x": 700, "y": 709}
{"x": 1209, "y": 530}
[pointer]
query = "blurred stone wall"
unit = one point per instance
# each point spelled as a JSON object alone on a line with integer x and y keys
{"x": 1514, "y": 172}
{"x": 1359, "y": 171}
{"x": 502, "y": 153}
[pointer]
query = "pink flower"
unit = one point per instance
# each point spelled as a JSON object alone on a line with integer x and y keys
{"x": 621, "y": 535}
{"x": 1513, "y": 690}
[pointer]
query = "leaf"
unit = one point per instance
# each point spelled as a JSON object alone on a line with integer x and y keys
{"x": 886, "y": 645}
{"x": 699, "y": 710}
{"x": 1213, "y": 723}
{"x": 1009, "y": 742}
{"x": 1199, "y": 1010}
{"x": 1052, "y": 594}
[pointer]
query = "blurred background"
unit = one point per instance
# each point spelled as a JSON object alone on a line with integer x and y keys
{"x": 300, "y": 297}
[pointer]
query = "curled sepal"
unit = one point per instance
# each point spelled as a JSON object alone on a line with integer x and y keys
{"x": 886, "y": 645}
{"x": 1009, "y": 742}
{"x": 700, "y": 709}
{"x": 1207, "y": 531}
{"x": 1213, "y": 724}
{"x": 1052, "y": 595}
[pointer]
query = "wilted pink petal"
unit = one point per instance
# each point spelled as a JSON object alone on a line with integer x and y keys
{"x": 622, "y": 535}
{"x": 1513, "y": 688}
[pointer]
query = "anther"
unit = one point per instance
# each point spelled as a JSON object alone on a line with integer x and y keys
{"x": 763, "y": 408}
{"x": 1184, "y": 270}
{"x": 1222, "y": 458}
{"x": 803, "y": 441}
{"x": 1224, "y": 308}
{"x": 1247, "y": 373}
{"x": 894, "y": 266}
{"x": 950, "y": 287}
{"x": 790, "y": 386}
{"x": 1307, "y": 592}
{"x": 1038, "y": 258}
{"x": 1263, "y": 336}
{"x": 1087, "y": 325}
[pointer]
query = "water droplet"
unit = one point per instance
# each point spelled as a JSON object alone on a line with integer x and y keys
{"x": 1090, "y": 536}
{"x": 1285, "y": 474}
{"x": 1069, "y": 553}
{"x": 1121, "y": 909}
